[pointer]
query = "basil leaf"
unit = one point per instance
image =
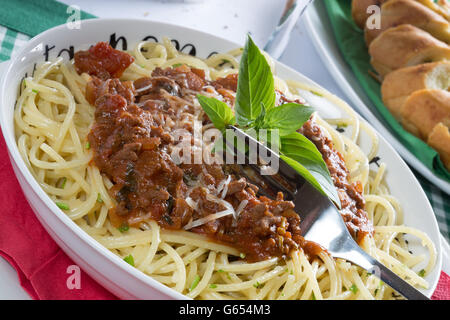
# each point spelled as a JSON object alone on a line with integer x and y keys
{"x": 255, "y": 85}
{"x": 303, "y": 156}
{"x": 287, "y": 118}
{"x": 271, "y": 140}
{"x": 218, "y": 112}
{"x": 259, "y": 121}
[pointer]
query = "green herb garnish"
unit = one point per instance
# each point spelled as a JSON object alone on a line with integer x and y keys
{"x": 218, "y": 112}
{"x": 313, "y": 296}
{"x": 87, "y": 145}
{"x": 287, "y": 118}
{"x": 63, "y": 206}
{"x": 35, "y": 91}
{"x": 258, "y": 285}
{"x": 354, "y": 289}
{"x": 255, "y": 109}
{"x": 421, "y": 273}
{"x": 176, "y": 65}
{"x": 255, "y": 85}
{"x": 242, "y": 255}
{"x": 301, "y": 154}
{"x": 213, "y": 286}
{"x": 63, "y": 182}
{"x": 99, "y": 198}
{"x": 194, "y": 283}
{"x": 124, "y": 227}
{"x": 129, "y": 259}
{"x": 316, "y": 93}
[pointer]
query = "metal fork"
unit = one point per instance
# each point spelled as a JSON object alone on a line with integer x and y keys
{"x": 279, "y": 38}
{"x": 321, "y": 221}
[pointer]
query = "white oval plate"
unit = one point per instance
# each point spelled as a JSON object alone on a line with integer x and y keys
{"x": 105, "y": 267}
{"x": 321, "y": 32}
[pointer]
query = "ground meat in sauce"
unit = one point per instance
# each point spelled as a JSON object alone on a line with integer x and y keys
{"x": 102, "y": 61}
{"x": 350, "y": 194}
{"x": 131, "y": 139}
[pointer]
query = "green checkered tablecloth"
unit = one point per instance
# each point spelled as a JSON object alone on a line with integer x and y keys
{"x": 11, "y": 41}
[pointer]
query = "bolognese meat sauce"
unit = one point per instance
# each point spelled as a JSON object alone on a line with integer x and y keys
{"x": 132, "y": 138}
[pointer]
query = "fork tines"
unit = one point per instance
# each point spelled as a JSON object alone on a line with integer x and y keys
{"x": 279, "y": 176}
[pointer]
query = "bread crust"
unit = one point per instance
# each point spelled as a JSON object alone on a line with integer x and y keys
{"x": 405, "y": 46}
{"x": 400, "y": 84}
{"x": 441, "y": 7}
{"x": 439, "y": 139}
{"x": 398, "y": 12}
{"x": 424, "y": 109}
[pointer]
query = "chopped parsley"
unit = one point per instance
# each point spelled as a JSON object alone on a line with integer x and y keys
{"x": 35, "y": 91}
{"x": 124, "y": 227}
{"x": 258, "y": 285}
{"x": 129, "y": 259}
{"x": 87, "y": 145}
{"x": 62, "y": 205}
{"x": 242, "y": 255}
{"x": 63, "y": 182}
{"x": 421, "y": 273}
{"x": 316, "y": 93}
{"x": 340, "y": 127}
{"x": 194, "y": 283}
{"x": 354, "y": 289}
{"x": 213, "y": 286}
{"x": 99, "y": 198}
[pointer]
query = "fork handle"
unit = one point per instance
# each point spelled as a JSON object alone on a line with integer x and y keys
{"x": 371, "y": 265}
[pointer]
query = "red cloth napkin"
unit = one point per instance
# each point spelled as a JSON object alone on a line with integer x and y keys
{"x": 41, "y": 265}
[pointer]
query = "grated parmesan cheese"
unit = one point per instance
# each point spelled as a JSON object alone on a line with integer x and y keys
{"x": 192, "y": 203}
{"x": 211, "y": 217}
{"x": 241, "y": 207}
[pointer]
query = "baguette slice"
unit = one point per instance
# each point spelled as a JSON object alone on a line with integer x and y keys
{"x": 397, "y": 12}
{"x": 400, "y": 84}
{"x": 424, "y": 109}
{"x": 441, "y": 7}
{"x": 439, "y": 139}
{"x": 360, "y": 15}
{"x": 405, "y": 46}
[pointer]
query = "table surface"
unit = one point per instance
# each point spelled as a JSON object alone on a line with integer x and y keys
{"x": 231, "y": 19}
